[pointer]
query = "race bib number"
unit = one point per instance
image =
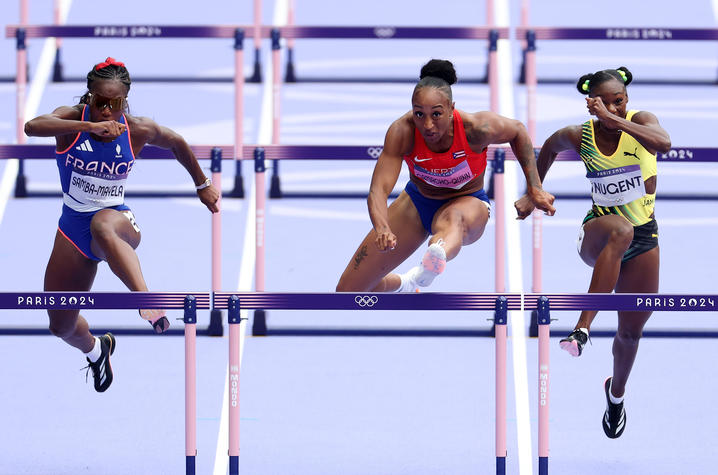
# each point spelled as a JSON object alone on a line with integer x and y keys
{"x": 454, "y": 177}
{"x": 95, "y": 191}
{"x": 617, "y": 186}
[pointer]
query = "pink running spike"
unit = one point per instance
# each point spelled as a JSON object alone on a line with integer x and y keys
{"x": 570, "y": 346}
{"x": 433, "y": 263}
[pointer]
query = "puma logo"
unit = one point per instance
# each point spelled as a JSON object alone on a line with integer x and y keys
{"x": 632, "y": 154}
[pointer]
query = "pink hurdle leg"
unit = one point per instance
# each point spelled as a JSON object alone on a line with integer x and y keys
{"x": 500, "y": 320}
{"x": 544, "y": 320}
{"x": 234, "y": 337}
{"x": 190, "y": 412}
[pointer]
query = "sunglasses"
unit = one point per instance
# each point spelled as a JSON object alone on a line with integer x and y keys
{"x": 115, "y": 103}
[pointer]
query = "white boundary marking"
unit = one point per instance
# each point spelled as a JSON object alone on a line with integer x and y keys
{"x": 513, "y": 247}
{"x": 246, "y": 274}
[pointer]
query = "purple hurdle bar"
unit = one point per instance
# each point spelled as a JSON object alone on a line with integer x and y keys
{"x": 620, "y": 33}
{"x": 188, "y": 301}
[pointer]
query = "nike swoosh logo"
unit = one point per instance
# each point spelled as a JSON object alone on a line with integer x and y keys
{"x": 417, "y": 159}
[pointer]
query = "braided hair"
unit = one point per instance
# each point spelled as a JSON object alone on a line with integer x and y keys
{"x": 106, "y": 70}
{"x": 588, "y": 81}
{"x": 439, "y": 74}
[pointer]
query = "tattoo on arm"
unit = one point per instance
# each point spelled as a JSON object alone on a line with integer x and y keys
{"x": 360, "y": 255}
{"x": 477, "y": 134}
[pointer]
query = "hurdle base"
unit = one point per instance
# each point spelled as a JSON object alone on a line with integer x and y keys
{"x": 238, "y": 190}
{"x": 215, "y": 327}
{"x": 289, "y": 74}
{"x": 20, "y": 186}
{"x": 257, "y": 74}
{"x": 275, "y": 188}
{"x": 533, "y": 326}
{"x": 190, "y": 465}
{"x": 500, "y": 465}
{"x": 543, "y": 465}
{"x": 259, "y": 324}
{"x": 233, "y": 465}
{"x": 57, "y": 75}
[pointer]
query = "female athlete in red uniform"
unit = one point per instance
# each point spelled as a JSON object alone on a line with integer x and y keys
{"x": 445, "y": 149}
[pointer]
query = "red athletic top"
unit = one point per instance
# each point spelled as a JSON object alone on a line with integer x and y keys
{"x": 451, "y": 169}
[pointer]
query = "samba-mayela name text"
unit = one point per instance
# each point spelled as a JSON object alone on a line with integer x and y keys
{"x": 101, "y": 191}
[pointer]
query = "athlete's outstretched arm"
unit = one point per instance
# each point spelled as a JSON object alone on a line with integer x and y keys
{"x": 167, "y": 138}
{"x": 497, "y": 130}
{"x": 68, "y": 120}
{"x": 383, "y": 180}
{"x": 567, "y": 138}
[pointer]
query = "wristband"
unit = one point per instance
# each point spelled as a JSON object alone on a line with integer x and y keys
{"x": 204, "y": 185}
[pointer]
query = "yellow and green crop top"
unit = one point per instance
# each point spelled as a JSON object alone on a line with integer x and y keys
{"x": 618, "y": 181}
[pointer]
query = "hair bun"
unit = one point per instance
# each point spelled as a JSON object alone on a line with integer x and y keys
{"x": 625, "y": 74}
{"x": 583, "y": 82}
{"x": 439, "y": 68}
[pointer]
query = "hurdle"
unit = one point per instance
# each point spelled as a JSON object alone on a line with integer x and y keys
{"x": 623, "y": 33}
{"x": 544, "y": 304}
{"x": 499, "y": 303}
{"x": 329, "y": 152}
{"x": 190, "y": 302}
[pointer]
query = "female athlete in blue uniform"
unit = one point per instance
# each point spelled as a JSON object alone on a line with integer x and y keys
{"x": 619, "y": 235}
{"x": 96, "y": 147}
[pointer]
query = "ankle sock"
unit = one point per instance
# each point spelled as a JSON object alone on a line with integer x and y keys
{"x": 614, "y": 399}
{"x": 95, "y": 352}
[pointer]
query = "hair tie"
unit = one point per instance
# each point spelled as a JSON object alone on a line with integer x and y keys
{"x": 109, "y": 62}
{"x": 623, "y": 74}
{"x": 584, "y": 86}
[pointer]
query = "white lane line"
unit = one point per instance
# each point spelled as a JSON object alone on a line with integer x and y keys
{"x": 513, "y": 247}
{"x": 32, "y": 102}
{"x": 246, "y": 274}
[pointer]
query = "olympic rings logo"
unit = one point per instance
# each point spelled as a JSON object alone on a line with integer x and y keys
{"x": 384, "y": 32}
{"x": 374, "y": 152}
{"x": 366, "y": 300}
